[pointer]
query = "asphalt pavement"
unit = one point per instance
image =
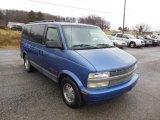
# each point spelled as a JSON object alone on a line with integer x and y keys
{"x": 32, "y": 96}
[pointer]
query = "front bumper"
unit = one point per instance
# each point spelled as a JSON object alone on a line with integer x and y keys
{"x": 121, "y": 45}
{"x": 95, "y": 95}
{"x": 155, "y": 43}
{"x": 148, "y": 43}
{"x": 140, "y": 44}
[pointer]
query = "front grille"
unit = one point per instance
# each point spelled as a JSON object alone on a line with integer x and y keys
{"x": 125, "y": 73}
{"x": 119, "y": 80}
{"x": 122, "y": 71}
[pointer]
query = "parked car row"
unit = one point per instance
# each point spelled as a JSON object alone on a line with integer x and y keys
{"x": 153, "y": 41}
{"x": 122, "y": 40}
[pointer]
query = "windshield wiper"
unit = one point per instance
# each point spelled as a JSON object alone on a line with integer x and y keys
{"x": 83, "y": 46}
{"x": 105, "y": 46}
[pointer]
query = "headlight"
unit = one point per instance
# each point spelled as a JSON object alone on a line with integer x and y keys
{"x": 96, "y": 80}
{"x": 99, "y": 75}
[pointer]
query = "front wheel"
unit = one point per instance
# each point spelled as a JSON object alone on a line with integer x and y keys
{"x": 70, "y": 93}
{"x": 132, "y": 45}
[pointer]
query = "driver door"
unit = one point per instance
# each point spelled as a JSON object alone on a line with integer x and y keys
{"x": 52, "y": 57}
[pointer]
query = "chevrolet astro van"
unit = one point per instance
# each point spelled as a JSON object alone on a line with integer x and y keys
{"x": 80, "y": 58}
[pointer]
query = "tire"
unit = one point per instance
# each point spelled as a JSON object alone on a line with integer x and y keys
{"x": 132, "y": 44}
{"x": 146, "y": 45}
{"x": 70, "y": 93}
{"x": 27, "y": 65}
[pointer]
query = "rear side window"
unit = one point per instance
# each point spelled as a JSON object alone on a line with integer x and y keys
{"x": 26, "y": 32}
{"x": 120, "y": 35}
{"x": 37, "y": 32}
{"x": 52, "y": 35}
{"x": 113, "y": 34}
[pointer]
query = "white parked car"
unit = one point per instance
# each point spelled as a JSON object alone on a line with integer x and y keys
{"x": 130, "y": 39}
{"x": 155, "y": 42}
{"x": 157, "y": 38}
{"x": 117, "y": 42}
{"x": 147, "y": 41}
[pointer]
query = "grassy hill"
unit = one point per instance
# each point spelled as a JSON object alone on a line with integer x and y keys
{"x": 9, "y": 38}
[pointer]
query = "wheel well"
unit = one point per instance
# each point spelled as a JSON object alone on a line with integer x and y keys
{"x": 131, "y": 42}
{"x": 24, "y": 55}
{"x": 65, "y": 75}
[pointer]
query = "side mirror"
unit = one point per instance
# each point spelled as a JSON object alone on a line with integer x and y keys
{"x": 53, "y": 44}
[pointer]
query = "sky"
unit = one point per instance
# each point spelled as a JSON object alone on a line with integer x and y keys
{"x": 137, "y": 11}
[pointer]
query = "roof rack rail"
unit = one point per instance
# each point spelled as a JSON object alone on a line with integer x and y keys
{"x": 42, "y": 21}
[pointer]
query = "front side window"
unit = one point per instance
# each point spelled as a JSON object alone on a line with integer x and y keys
{"x": 52, "y": 35}
{"x": 85, "y": 37}
{"x": 125, "y": 36}
{"x": 130, "y": 36}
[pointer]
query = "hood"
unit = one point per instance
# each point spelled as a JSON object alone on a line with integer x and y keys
{"x": 152, "y": 39}
{"x": 137, "y": 40}
{"x": 119, "y": 41}
{"x": 107, "y": 59}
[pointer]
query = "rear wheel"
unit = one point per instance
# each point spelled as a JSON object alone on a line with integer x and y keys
{"x": 70, "y": 93}
{"x": 28, "y": 67}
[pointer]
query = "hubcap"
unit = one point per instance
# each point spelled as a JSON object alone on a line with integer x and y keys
{"x": 132, "y": 45}
{"x": 69, "y": 93}
{"x": 26, "y": 64}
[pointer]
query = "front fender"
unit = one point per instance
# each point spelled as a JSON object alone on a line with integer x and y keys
{"x": 73, "y": 76}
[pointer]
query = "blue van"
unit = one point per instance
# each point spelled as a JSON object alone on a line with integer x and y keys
{"x": 80, "y": 58}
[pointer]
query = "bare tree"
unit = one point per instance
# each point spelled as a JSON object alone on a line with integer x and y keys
{"x": 120, "y": 28}
{"x": 95, "y": 20}
{"x": 141, "y": 28}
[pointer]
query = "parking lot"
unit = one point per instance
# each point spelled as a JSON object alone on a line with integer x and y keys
{"x": 32, "y": 96}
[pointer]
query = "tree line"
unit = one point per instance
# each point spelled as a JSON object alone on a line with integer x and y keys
{"x": 31, "y": 16}
{"x": 138, "y": 28}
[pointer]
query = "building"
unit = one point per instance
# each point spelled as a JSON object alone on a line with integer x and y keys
{"x": 14, "y": 24}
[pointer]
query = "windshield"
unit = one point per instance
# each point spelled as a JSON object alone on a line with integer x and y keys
{"x": 149, "y": 37}
{"x": 131, "y": 37}
{"x": 140, "y": 37}
{"x": 86, "y": 37}
{"x": 111, "y": 37}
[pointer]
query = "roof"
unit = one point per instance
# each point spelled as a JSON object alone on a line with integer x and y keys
{"x": 59, "y": 23}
